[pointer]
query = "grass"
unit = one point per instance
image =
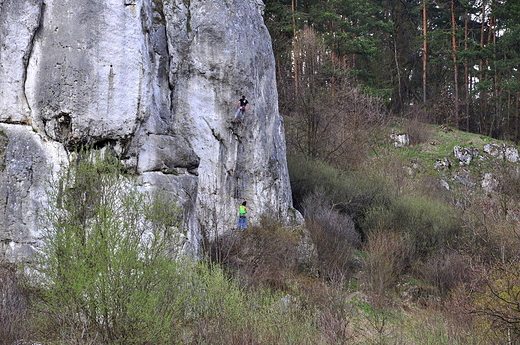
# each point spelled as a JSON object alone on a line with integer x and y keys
{"x": 420, "y": 159}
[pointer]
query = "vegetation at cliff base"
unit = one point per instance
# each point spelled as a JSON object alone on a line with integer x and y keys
{"x": 385, "y": 250}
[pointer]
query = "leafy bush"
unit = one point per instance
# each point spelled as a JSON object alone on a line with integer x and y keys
{"x": 106, "y": 264}
{"x": 352, "y": 193}
{"x": 429, "y": 223}
{"x": 224, "y": 313}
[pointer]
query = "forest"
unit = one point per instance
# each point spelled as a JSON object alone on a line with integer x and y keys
{"x": 452, "y": 62}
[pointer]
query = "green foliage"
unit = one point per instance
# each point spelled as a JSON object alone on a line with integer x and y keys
{"x": 107, "y": 273}
{"x": 353, "y": 193}
{"x": 471, "y": 57}
{"x": 106, "y": 263}
{"x": 222, "y": 313}
{"x": 429, "y": 223}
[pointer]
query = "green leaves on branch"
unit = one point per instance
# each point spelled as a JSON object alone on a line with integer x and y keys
{"x": 106, "y": 264}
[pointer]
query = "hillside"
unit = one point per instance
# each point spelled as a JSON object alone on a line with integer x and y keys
{"x": 436, "y": 222}
{"x": 456, "y": 157}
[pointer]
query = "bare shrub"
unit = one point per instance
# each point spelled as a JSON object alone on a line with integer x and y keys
{"x": 334, "y": 236}
{"x": 225, "y": 249}
{"x": 445, "y": 270}
{"x": 331, "y": 313}
{"x": 328, "y": 121}
{"x": 13, "y": 305}
{"x": 498, "y": 302}
{"x": 417, "y": 131}
{"x": 263, "y": 255}
{"x": 488, "y": 237}
{"x": 387, "y": 253}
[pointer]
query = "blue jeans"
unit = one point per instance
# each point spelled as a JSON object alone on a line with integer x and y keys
{"x": 239, "y": 115}
{"x": 242, "y": 222}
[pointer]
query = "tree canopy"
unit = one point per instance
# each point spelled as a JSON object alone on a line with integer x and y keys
{"x": 450, "y": 62}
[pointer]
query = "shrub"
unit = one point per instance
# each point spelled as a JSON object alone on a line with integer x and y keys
{"x": 267, "y": 254}
{"x": 334, "y": 235}
{"x": 386, "y": 259}
{"x": 444, "y": 269}
{"x": 417, "y": 131}
{"x": 428, "y": 223}
{"x": 106, "y": 263}
{"x": 498, "y": 302}
{"x": 352, "y": 193}
{"x": 224, "y": 313}
{"x": 14, "y": 304}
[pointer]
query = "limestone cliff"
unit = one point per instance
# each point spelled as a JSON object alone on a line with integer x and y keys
{"x": 156, "y": 82}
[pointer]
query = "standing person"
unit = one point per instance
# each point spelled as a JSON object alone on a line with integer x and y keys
{"x": 242, "y": 216}
{"x": 241, "y": 109}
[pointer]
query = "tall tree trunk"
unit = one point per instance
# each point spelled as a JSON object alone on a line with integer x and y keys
{"x": 482, "y": 76}
{"x": 517, "y": 110}
{"x": 398, "y": 103}
{"x": 491, "y": 40}
{"x": 425, "y": 51}
{"x": 498, "y": 107}
{"x": 466, "y": 71}
{"x": 455, "y": 67}
{"x": 295, "y": 56}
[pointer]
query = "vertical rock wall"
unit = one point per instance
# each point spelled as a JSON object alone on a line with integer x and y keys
{"x": 154, "y": 81}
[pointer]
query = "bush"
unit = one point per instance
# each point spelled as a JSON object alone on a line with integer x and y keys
{"x": 352, "y": 193}
{"x": 445, "y": 270}
{"x": 224, "y": 313}
{"x": 387, "y": 254}
{"x": 498, "y": 302}
{"x": 428, "y": 223}
{"x": 266, "y": 255}
{"x": 418, "y": 132}
{"x": 106, "y": 264}
{"x": 14, "y": 305}
{"x": 334, "y": 235}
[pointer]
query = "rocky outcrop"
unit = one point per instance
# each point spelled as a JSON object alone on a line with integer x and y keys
{"x": 153, "y": 81}
{"x": 503, "y": 151}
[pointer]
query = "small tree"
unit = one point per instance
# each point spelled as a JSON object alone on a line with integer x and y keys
{"x": 499, "y": 302}
{"x": 106, "y": 264}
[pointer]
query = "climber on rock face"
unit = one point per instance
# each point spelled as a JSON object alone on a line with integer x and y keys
{"x": 241, "y": 109}
{"x": 242, "y": 216}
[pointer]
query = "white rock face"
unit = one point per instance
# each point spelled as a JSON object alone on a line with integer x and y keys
{"x": 502, "y": 151}
{"x": 18, "y": 23}
{"x": 489, "y": 183}
{"x": 400, "y": 140}
{"x": 156, "y": 82}
{"x": 465, "y": 154}
{"x": 27, "y": 164}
